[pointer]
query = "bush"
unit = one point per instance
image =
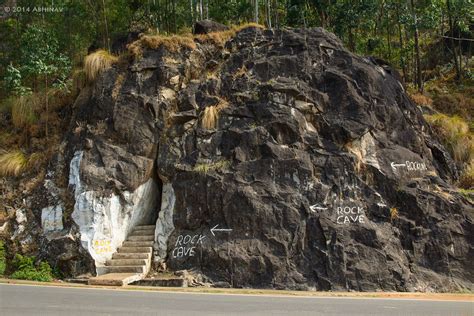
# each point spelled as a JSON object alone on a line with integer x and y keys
{"x": 25, "y": 269}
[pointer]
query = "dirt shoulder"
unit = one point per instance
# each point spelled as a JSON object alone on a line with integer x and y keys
{"x": 263, "y": 292}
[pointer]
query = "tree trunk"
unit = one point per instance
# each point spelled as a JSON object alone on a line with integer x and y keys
{"x": 200, "y": 10}
{"x": 256, "y": 11}
{"x": 191, "y": 10}
{"x": 351, "y": 40}
{"x": 418, "y": 78}
{"x": 453, "y": 44}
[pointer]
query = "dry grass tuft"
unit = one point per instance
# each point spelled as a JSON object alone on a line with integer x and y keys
{"x": 97, "y": 62}
{"x": 359, "y": 156}
{"x": 466, "y": 180}
{"x": 421, "y": 99}
{"x": 173, "y": 43}
{"x": 12, "y": 163}
{"x": 393, "y": 213}
{"x": 206, "y": 167}
{"x": 211, "y": 114}
{"x": 23, "y": 111}
{"x": 78, "y": 81}
{"x": 459, "y": 139}
{"x": 118, "y": 85}
{"x": 240, "y": 72}
{"x": 455, "y": 134}
{"x": 220, "y": 38}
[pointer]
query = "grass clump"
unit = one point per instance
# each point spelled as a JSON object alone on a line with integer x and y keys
{"x": 466, "y": 180}
{"x": 421, "y": 99}
{"x": 220, "y": 38}
{"x": 23, "y": 111}
{"x": 12, "y": 163}
{"x": 173, "y": 43}
{"x": 25, "y": 269}
{"x": 212, "y": 166}
{"x": 211, "y": 114}
{"x": 459, "y": 139}
{"x": 97, "y": 62}
{"x": 393, "y": 213}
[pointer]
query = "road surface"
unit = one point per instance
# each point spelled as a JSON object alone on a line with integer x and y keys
{"x": 47, "y": 300}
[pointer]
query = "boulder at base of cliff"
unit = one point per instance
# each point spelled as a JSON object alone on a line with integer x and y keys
{"x": 208, "y": 26}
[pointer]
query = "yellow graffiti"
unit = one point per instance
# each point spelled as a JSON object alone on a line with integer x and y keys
{"x": 102, "y": 246}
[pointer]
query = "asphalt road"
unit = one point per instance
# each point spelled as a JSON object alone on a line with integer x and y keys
{"x": 44, "y": 300}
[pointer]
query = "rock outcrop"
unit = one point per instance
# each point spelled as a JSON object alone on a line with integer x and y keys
{"x": 280, "y": 160}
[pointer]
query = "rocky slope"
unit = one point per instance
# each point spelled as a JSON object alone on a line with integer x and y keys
{"x": 277, "y": 160}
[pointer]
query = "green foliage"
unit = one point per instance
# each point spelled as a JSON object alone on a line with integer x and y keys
{"x": 2, "y": 258}
{"x": 40, "y": 55}
{"x": 13, "y": 82}
{"x": 25, "y": 269}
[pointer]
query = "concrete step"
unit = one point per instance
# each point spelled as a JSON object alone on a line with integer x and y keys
{"x": 133, "y": 255}
{"x": 143, "y": 233}
{"x": 141, "y": 238}
{"x": 126, "y": 262}
{"x": 135, "y": 249}
{"x": 144, "y": 227}
{"x": 163, "y": 282}
{"x": 147, "y": 243}
{"x": 125, "y": 269}
{"x": 114, "y": 279}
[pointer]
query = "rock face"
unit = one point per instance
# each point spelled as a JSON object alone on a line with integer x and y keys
{"x": 279, "y": 160}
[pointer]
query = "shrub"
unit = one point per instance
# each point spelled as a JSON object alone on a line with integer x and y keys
{"x": 12, "y": 163}
{"x": 25, "y": 269}
{"x": 97, "y": 62}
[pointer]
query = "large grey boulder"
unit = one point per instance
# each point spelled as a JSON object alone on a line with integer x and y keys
{"x": 287, "y": 162}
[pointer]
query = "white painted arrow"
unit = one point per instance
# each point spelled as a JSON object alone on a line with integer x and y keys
{"x": 315, "y": 207}
{"x": 395, "y": 165}
{"x": 215, "y": 229}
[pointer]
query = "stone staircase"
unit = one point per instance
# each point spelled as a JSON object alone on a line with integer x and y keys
{"x": 132, "y": 261}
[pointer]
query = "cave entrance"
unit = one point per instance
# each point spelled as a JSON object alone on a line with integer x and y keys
{"x": 158, "y": 198}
